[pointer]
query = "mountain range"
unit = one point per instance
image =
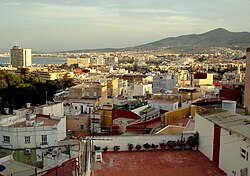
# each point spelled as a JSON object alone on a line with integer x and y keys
{"x": 193, "y": 43}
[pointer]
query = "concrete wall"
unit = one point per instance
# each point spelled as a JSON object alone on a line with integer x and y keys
{"x": 164, "y": 105}
{"x": 230, "y": 153}
{"x": 61, "y": 129}
{"x": 55, "y": 110}
{"x": 123, "y": 141}
{"x": 171, "y": 130}
{"x": 205, "y": 128}
{"x": 174, "y": 115}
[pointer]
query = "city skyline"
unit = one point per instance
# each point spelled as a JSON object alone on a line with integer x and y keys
{"x": 69, "y": 25}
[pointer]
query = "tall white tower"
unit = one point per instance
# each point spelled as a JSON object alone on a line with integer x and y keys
{"x": 20, "y": 57}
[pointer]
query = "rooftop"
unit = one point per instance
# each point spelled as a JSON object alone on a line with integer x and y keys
{"x": 16, "y": 168}
{"x": 228, "y": 120}
{"x": 164, "y": 163}
{"x": 40, "y": 121}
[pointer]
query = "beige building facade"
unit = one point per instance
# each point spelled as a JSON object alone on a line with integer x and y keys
{"x": 247, "y": 83}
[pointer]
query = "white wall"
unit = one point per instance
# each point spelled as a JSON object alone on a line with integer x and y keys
{"x": 61, "y": 129}
{"x": 230, "y": 157}
{"x": 141, "y": 89}
{"x": 163, "y": 105}
{"x": 123, "y": 141}
{"x": 17, "y": 135}
{"x": 205, "y": 128}
{"x": 164, "y": 83}
{"x": 55, "y": 109}
{"x": 137, "y": 110}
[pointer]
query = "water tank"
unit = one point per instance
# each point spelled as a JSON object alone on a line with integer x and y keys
{"x": 229, "y": 105}
{"x": 27, "y": 116}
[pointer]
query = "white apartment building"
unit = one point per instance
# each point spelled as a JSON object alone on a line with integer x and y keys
{"x": 140, "y": 89}
{"x": 111, "y": 60}
{"x": 164, "y": 83}
{"x": 224, "y": 137}
{"x": 33, "y": 127}
{"x": 20, "y": 57}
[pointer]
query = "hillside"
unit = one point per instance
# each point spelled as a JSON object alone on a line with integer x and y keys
{"x": 193, "y": 43}
{"x": 216, "y": 38}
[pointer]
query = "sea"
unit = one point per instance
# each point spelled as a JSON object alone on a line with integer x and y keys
{"x": 39, "y": 60}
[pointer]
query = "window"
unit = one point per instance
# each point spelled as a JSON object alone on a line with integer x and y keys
{"x": 27, "y": 139}
{"x": 81, "y": 127}
{"x": 75, "y": 107}
{"x": 95, "y": 94}
{"x": 6, "y": 139}
{"x": 244, "y": 154}
{"x": 44, "y": 140}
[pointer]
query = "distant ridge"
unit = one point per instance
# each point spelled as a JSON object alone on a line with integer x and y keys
{"x": 193, "y": 43}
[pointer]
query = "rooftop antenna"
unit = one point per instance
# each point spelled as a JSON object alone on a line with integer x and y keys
{"x": 17, "y": 42}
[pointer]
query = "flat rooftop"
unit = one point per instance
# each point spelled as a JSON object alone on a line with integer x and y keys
{"x": 163, "y": 163}
{"x": 40, "y": 122}
{"x": 228, "y": 120}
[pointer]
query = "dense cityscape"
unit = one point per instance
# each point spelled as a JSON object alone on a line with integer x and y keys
{"x": 175, "y": 106}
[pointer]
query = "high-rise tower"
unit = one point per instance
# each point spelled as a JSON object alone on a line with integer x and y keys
{"x": 20, "y": 56}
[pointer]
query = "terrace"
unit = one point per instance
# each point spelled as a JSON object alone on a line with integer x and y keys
{"x": 158, "y": 160}
{"x": 164, "y": 163}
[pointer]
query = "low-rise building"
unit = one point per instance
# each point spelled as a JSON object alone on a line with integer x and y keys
{"x": 89, "y": 91}
{"x": 224, "y": 138}
{"x": 49, "y": 75}
{"x": 33, "y": 127}
{"x": 80, "y": 62}
{"x": 203, "y": 79}
{"x": 140, "y": 89}
{"x": 164, "y": 83}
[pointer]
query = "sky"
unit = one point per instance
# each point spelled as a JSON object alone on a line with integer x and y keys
{"x": 59, "y": 25}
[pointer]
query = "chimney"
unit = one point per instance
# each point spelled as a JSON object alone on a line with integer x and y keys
{"x": 247, "y": 83}
{"x": 28, "y": 105}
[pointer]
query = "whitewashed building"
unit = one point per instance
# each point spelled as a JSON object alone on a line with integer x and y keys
{"x": 33, "y": 127}
{"x": 164, "y": 83}
{"x": 140, "y": 89}
{"x": 224, "y": 137}
{"x": 163, "y": 104}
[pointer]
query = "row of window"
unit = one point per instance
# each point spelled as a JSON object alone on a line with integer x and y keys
{"x": 6, "y": 139}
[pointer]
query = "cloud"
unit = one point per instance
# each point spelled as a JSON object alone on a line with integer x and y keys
{"x": 116, "y": 22}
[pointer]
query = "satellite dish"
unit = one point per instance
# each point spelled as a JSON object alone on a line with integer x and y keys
{"x": 2, "y": 167}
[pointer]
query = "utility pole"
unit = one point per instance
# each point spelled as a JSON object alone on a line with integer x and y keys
{"x": 46, "y": 96}
{"x": 85, "y": 154}
{"x": 145, "y": 122}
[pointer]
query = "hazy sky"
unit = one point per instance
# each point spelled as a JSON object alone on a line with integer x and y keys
{"x": 56, "y": 25}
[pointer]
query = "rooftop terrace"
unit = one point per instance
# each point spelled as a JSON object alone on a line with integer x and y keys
{"x": 164, "y": 163}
